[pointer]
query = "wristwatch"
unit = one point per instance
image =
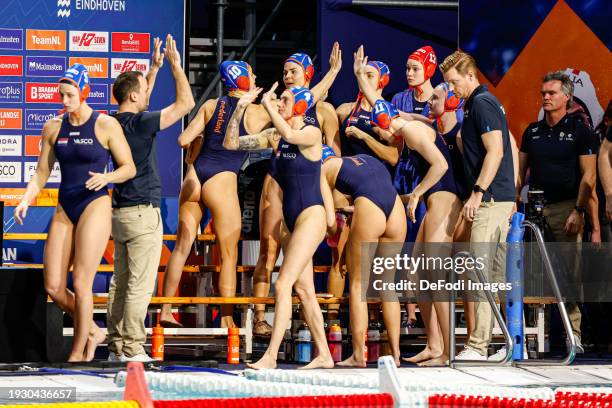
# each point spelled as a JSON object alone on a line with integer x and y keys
{"x": 580, "y": 209}
{"x": 478, "y": 189}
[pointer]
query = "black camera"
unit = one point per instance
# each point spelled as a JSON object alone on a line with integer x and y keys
{"x": 535, "y": 206}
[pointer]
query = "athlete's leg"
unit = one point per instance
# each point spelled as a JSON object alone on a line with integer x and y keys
{"x": 190, "y": 215}
{"x": 337, "y": 272}
{"x": 368, "y": 225}
{"x": 220, "y": 195}
{"x": 391, "y": 244}
{"x": 270, "y": 218}
{"x": 301, "y": 244}
{"x": 91, "y": 238}
{"x": 442, "y": 216}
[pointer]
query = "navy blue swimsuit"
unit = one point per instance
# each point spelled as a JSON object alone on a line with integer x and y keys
{"x": 78, "y": 152}
{"x": 420, "y": 166}
{"x": 365, "y": 176}
{"x": 310, "y": 118}
{"x": 300, "y": 180}
{"x": 214, "y": 158}
{"x": 450, "y": 139}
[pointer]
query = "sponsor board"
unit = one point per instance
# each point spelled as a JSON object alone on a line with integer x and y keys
{"x": 13, "y": 196}
{"x": 96, "y": 67}
{"x": 119, "y": 65}
{"x": 29, "y": 168}
{"x": 10, "y": 172}
{"x": 98, "y": 94}
{"x": 40, "y": 66}
{"x": 88, "y": 41}
{"x": 36, "y": 118}
{"x": 10, "y": 145}
{"x": 11, "y": 39}
{"x": 11, "y": 92}
{"x": 48, "y": 40}
{"x": 42, "y": 92}
{"x": 131, "y": 42}
{"x": 11, "y": 65}
{"x": 33, "y": 145}
{"x": 10, "y": 118}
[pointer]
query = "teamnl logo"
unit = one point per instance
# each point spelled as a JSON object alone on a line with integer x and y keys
{"x": 63, "y": 8}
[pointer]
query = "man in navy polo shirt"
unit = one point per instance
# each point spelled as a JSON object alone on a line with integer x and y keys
{"x": 561, "y": 153}
{"x": 489, "y": 170}
{"x": 137, "y": 224}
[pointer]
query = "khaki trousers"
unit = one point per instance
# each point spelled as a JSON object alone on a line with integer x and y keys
{"x": 138, "y": 234}
{"x": 490, "y": 227}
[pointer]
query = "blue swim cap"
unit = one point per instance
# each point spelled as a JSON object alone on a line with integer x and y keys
{"x": 383, "y": 113}
{"x": 384, "y": 73}
{"x": 78, "y": 76}
{"x": 305, "y": 62}
{"x": 235, "y": 75}
{"x": 302, "y": 100}
{"x": 451, "y": 102}
{"x": 328, "y": 153}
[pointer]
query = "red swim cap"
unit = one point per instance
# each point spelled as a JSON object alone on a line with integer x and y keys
{"x": 427, "y": 57}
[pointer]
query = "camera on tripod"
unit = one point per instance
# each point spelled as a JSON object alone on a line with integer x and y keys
{"x": 535, "y": 206}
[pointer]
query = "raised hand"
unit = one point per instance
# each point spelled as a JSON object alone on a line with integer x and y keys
{"x": 249, "y": 97}
{"x": 172, "y": 55}
{"x": 360, "y": 61}
{"x": 269, "y": 96}
{"x": 335, "y": 58}
{"x": 157, "y": 59}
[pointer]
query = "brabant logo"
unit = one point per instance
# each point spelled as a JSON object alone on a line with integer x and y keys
{"x": 96, "y": 67}
{"x": 39, "y": 66}
{"x": 11, "y": 92}
{"x": 40, "y": 92}
{"x": 89, "y": 41}
{"x": 48, "y": 40}
{"x": 131, "y": 42}
{"x": 11, "y": 39}
{"x": 11, "y": 65}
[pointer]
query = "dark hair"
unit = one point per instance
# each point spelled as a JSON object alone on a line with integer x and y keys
{"x": 126, "y": 83}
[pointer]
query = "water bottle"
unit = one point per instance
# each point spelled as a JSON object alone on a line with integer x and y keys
{"x": 303, "y": 351}
{"x": 334, "y": 339}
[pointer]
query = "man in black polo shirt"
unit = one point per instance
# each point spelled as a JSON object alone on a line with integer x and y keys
{"x": 137, "y": 226}
{"x": 489, "y": 169}
{"x": 561, "y": 153}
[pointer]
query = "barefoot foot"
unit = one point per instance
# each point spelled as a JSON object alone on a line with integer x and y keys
{"x": 435, "y": 362}
{"x": 353, "y": 361}
{"x": 319, "y": 362}
{"x": 95, "y": 337}
{"x": 426, "y": 354}
{"x": 266, "y": 361}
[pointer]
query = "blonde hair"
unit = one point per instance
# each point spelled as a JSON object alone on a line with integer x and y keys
{"x": 461, "y": 61}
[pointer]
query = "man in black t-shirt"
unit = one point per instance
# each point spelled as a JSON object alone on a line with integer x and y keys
{"x": 489, "y": 170}
{"x": 561, "y": 154}
{"x": 137, "y": 225}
